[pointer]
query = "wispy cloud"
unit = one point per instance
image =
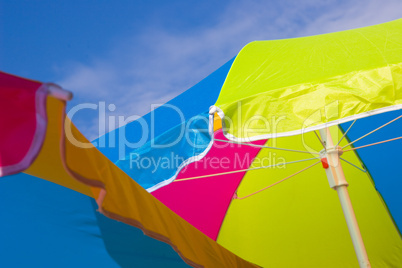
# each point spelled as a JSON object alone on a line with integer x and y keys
{"x": 157, "y": 64}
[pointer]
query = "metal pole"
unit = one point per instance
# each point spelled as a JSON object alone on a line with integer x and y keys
{"x": 337, "y": 181}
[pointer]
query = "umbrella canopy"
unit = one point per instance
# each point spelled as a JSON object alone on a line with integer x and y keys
{"x": 352, "y": 74}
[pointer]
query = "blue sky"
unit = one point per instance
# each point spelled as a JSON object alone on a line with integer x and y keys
{"x": 137, "y": 53}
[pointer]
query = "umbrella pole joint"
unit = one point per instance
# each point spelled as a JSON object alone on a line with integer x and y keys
{"x": 330, "y": 158}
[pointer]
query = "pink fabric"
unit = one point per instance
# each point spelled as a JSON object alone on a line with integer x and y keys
{"x": 18, "y": 120}
{"x": 204, "y": 202}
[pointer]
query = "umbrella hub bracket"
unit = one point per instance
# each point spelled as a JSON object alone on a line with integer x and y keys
{"x": 330, "y": 159}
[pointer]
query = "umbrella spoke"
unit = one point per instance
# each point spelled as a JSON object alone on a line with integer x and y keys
{"x": 322, "y": 143}
{"x": 265, "y": 188}
{"x": 352, "y": 164}
{"x": 243, "y": 170}
{"x": 371, "y": 144}
{"x": 344, "y": 134}
{"x": 267, "y": 147}
{"x": 371, "y": 132}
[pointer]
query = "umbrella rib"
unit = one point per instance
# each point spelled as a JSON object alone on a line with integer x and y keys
{"x": 371, "y": 132}
{"x": 371, "y": 144}
{"x": 268, "y": 147}
{"x": 265, "y": 188}
{"x": 322, "y": 143}
{"x": 353, "y": 165}
{"x": 344, "y": 134}
{"x": 242, "y": 170}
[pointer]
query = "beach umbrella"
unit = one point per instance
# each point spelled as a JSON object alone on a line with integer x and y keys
{"x": 40, "y": 141}
{"x": 300, "y": 118}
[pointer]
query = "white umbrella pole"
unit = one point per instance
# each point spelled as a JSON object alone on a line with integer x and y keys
{"x": 337, "y": 181}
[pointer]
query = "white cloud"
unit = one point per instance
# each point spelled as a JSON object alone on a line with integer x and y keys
{"x": 354, "y": 15}
{"x": 158, "y": 64}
